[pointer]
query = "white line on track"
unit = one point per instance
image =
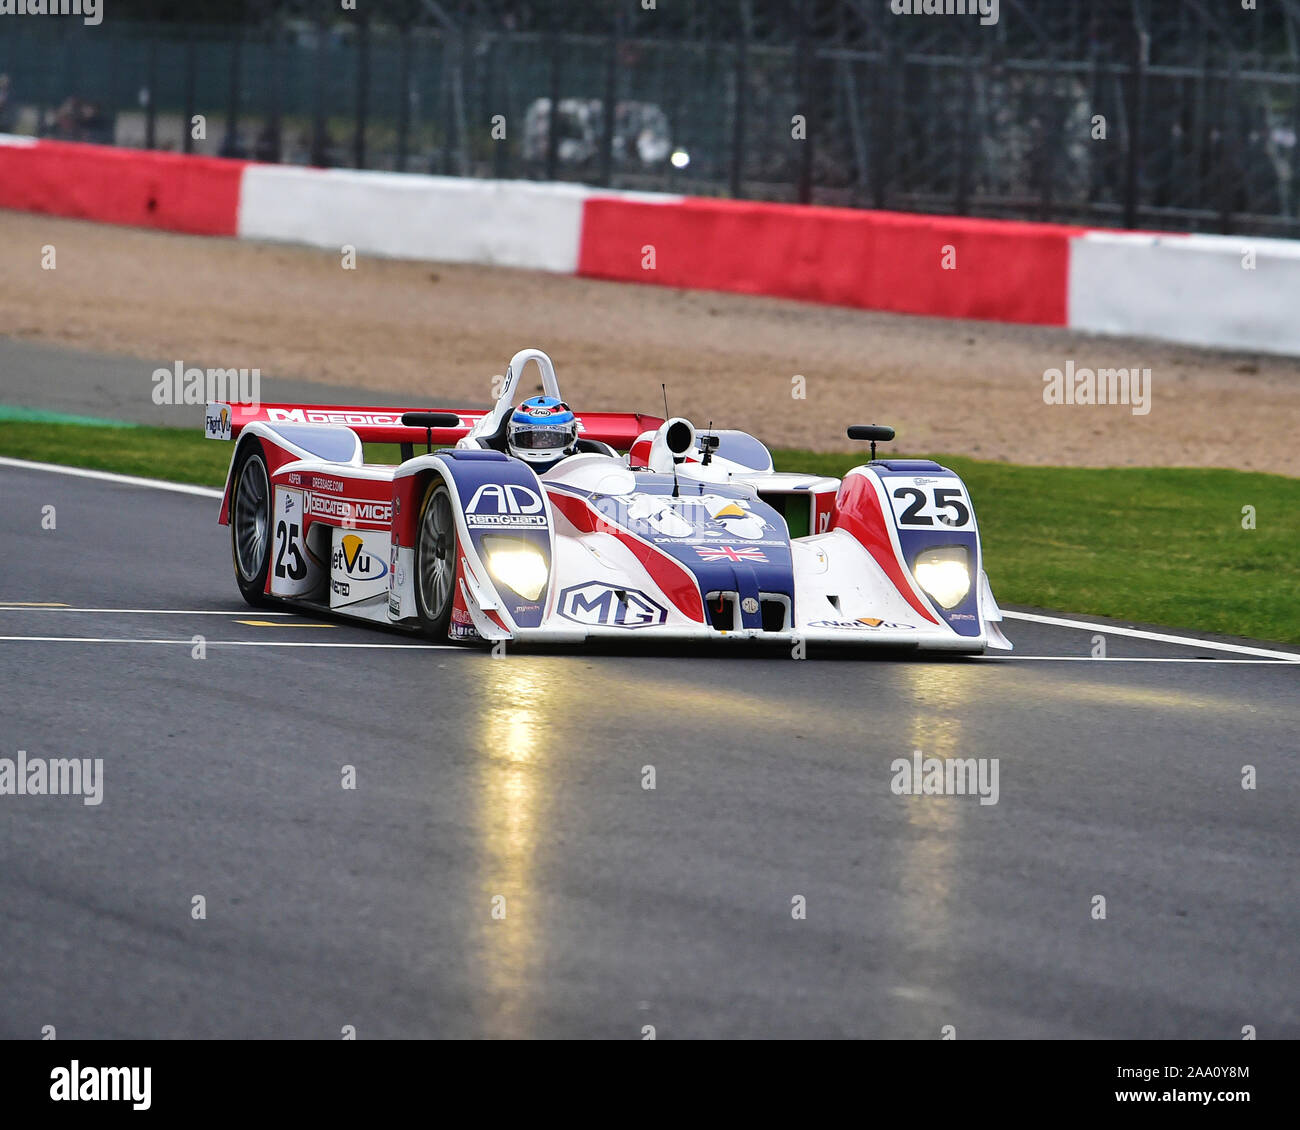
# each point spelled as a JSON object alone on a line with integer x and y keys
{"x": 237, "y": 643}
{"x": 110, "y": 477}
{"x": 1157, "y": 637}
{"x": 148, "y": 611}
{"x": 1129, "y": 659}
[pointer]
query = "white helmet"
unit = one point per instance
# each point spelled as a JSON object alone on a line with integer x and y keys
{"x": 541, "y": 430}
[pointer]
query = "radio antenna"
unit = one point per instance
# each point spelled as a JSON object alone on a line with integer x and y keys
{"x": 665, "y": 389}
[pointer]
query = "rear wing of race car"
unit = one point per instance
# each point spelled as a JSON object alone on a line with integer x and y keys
{"x": 384, "y": 425}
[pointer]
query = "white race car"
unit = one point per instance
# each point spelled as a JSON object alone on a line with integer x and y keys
{"x": 686, "y": 536}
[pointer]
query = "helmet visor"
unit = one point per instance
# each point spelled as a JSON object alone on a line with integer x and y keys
{"x": 541, "y": 439}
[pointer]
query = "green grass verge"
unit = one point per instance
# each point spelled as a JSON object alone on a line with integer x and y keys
{"x": 1157, "y": 545}
{"x": 176, "y": 454}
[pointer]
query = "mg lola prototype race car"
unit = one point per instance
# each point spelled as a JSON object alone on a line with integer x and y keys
{"x": 686, "y": 536}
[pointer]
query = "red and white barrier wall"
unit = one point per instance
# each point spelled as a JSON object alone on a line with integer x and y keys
{"x": 1222, "y": 291}
{"x": 199, "y": 195}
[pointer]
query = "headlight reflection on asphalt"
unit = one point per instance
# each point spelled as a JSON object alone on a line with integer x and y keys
{"x": 520, "y": 703}
{"x": 930, "y": 848}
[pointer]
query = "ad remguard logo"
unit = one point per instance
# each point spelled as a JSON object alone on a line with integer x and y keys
{"x": 102, "y": 1084}
{"x": 505, "y": 504}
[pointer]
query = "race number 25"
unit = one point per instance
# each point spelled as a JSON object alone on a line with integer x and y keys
{"x": 291, "y": 567}
{"x": 933, "y": 506}
{"x": 289, "y": 561}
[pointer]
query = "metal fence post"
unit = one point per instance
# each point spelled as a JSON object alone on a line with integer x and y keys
{"x": 448, "y": 107}
{"x": 231, "y": 147}
{"x": 804, "y": 70}
{"x": 1294, "y": 183}
{"x": 1231, "y": 167}
{"x": 613, "y": 45}
{"x": 319, "y": 155}
{"x": 274, "y": 150}
{"x": 553, "y": 122}
{"x": 496, "y": 84}
{"x": 1051, "y": 120}
{"x": 114, "y": 62}
{"x": 737, "y": 178}
{"x": 151, "y": 78}
{"x": 1096, "y": 157}
{"x": 363, "y": 90}
{"x": 961, "y": 201}
{"x": 884, "y": 154}
{"x": 187, "y": 132}
{"x": 1137, "y": 111}
{"x": 404, "y": 96}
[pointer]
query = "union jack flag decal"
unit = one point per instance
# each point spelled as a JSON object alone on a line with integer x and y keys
{"x": 730, "y": 553}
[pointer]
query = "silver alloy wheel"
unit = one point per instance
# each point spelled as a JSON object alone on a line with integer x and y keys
{"x": 251, "y": 518}
{"x": 436, "y": 567}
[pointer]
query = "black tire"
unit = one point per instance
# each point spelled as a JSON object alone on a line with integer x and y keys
{"x": 250, "y": 523}
{"x": 437, "y": 550}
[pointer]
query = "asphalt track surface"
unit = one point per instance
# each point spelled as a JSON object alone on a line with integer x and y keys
{"x": 625, "y": 907}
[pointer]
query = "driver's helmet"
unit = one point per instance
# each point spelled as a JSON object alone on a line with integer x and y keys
{"x": 541, "y": 430}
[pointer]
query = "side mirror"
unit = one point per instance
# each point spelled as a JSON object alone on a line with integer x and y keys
{"x": 876, "y": 433}
{"x": 428, "y": 421}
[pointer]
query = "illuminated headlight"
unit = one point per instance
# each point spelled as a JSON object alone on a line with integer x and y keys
{"x": 517, "y": 565}
{"x": 945, "y": 574}
{"x": 680, "y": 158}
